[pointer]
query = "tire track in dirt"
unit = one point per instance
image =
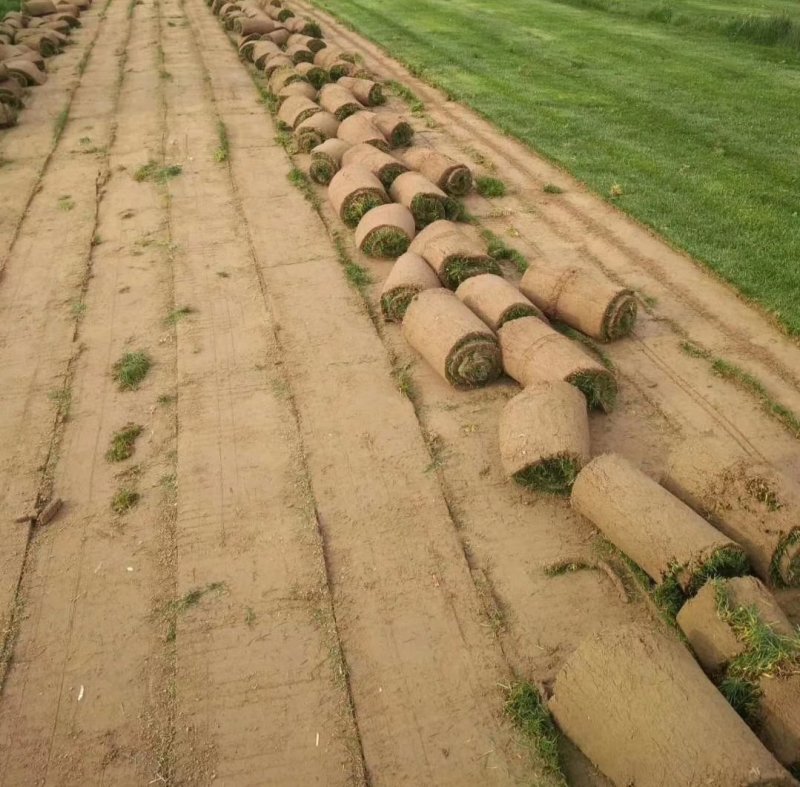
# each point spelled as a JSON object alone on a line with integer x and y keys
{"x": 260, "y": 686}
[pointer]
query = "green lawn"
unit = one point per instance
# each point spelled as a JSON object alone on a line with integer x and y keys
{"x": 9, "y": 5}
{"x": 697, "y": 125}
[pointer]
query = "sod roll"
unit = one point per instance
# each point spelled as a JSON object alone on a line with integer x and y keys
{"x": 279, "y": 36}
{"x": 315, "y": 130}
{"x": 339, "y": 69}
{"x": 385, "y": 231}
{"x": 299, "y": 53}
{"x": 262, "y": 50}
{"x": 339, "y": 101}
{"x": 745, "y": 498}
{"x": 366, "y": 91}
{"x": 353, "y": 191}
{"x": 260, "y": 25}
{"x": 495, "y": 300}
{"x": 330, "y": 54}
{"x": 8, "y": 115}
{"x": 385, "y": 167}
{"x": 314, "y": 44}
{"x": 275, "y": 63}
{"x": 454, "y": 251}
{"x": 424, "y": 199}
{"x": 452, "y": 339}
{"x": 26, "y": 72}
{"x": 544, "y": 436}
{"x": 742, "y": 638}
{"x": 295, "y": 109}
{"x": 11, "y": 52}
{"x": 649, "y": 524}
{"x": 450, "y": 176}
{"x": 11, "y": 93}
{"x": 43, "y": 43}
{"x": 282, "y": 77}
{"x": 395, "y": 128}
{"x": 640, "y": 708}
{"x": 408, "y": 276}
{"x": 39, "y": 7}
{"x": 326, "y": 160}
{"x": 359, "y": 128}
{"x": 583, "y": 299}
{"x": 314, "y": 74}
{"x": 297, "y": 89}
{"x": 532, "y": 350}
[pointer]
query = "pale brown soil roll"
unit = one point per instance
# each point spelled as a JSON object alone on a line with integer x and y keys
{"x": 326, "y": 160}
{"x": 63, "y": 22}
{"x": 229, "y": 19}
{"x": 424, "y": 199}
{"x": 656, "y": 530}
{"x": 395, "y": 128}
{"x": 314, "y": 44}
{"x": 712, "y": 633}
{"x": 314, "y": 74}
{"x": 366, "y": 91}
{"x": 452, "y": 339}
{"x": 300, "y": 54}
{"x": 282, "y": 77}
{"x": 275, "y": 63}
{"x": 25, "y": 72}
{"x": 383, "y": 166}
{"x": 450, "y": 176}
{"x": 544, "y": 436}
{"x": 11, "y": 92}
{"x": 259, "y": 25}
{"x": 315, "y": 130}
{"x": 341, "y": 68}
{"x": 295, "y": 110}
{"x": 42, "y": 42}
{"x": 279, "y": 36}
{"x": 385, "y": 231}
{"x": 453, "y": 251}
{"x": 359, "y": 128}
{"x": 297, "y": 89}
{"x": 640, "y": 708}
{"x": 38, "y": 7}
{"x": 353, "y": 191}
{"x": 532, "y": 350}
{"x": 326, "y": 57}
{"x": 9, "y": 52}
{"x": 583, "y": 299}
{"x": 339, "y": 101}
{"x": 495, "y": 300}
{"x": 409, "y": 276}
{"x": 262, "y": 50}
{"x": 8, "y": 115}
{"x": 745, "y": 498}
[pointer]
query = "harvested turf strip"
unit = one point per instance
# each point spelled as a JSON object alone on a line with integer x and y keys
{"x": 385, "y": 231}
{"x": 409, "y": 276}
{"x": 353, "y": 191}
{"x": 495, "y": 300}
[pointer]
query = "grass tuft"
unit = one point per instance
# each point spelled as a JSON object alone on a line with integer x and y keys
{"x": 401, "y": 91}
{"x": 174, "y": 317}
{"x": 223, "y": 152}
{"x": 131, "y": 369}
{"x": 152, "y": 171}
{"x": 553, "y": 476}
{"x": 599, "y": 388}
{"x": 125, "y": 499}
{"x": 60, "y": 123}
{"x": 498, "y": 249}
{"x": 386, "y": 242}
{"x": 490, "y": 187}
{"x": 551, "y": 188}
{"x": 356, "y": 275}
{"x": 123, "y": 442}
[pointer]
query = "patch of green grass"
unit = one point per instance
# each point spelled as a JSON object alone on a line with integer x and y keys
{"x": 60, "y": 123}
{"x": 490, "y": 187}
{"x": 498, "y": 249}
{"x": 386, "y": 242}
{"x": 616, "y": 97}
{"x": 301, "y": 181}
{"x": 131, "y": 369}
{"x": 729, "y": 561}
{"x": 401, "y": 91}
{"x": 223, "y": 152}
{"x": 193, "y": 597}
{"x": 66, "y": 203}
{"x": 174, "y": 317}
{"x": 527, "y": 710}
{"x": 62, "y": 399}
{"x": 250, "y": 617}
{"x": 599, "y": 388}
{"x": 152, "y": 171}
{"x": 590, "y": 344}
{"x": 124, "y": 500}
{"x": 165, "y": 399}
{"x": 566, "y": 567}
{"x": 356, "y": 275}
{"x": 123, "y": 442}
{"x": 404, "y": 380}
{"x": 78, "y": 309}
{"x": 551, "y": 188}
{"x": 554, "y": 476}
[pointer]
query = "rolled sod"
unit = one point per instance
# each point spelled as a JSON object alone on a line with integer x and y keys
{"x": 326, "y": 160}
{"x": 581, "y": 298}
{"x": 315, "y": 130}
{"x": 359, "y": 128}
{"x": 385, "y": 231}
{"x": 544, "y": 437}
{"x": 8, "y": 115}
{"x": 279, "y": 36}
{"x": 39, "y": 7}
{"x": 353, "y": 191}
{"x": 329, "y": 55}
{"x": 367, "y": 91}
{"x": 275, "y": 63}
{"x": 453, "y": 178}
{"x": 262, "y": 50}
{"x": 295, "y": 109}
{"x": 260, "y": 25}
{"x": 26, "y": 72}
{"x": 745, "y": 498}
{"x": 306, "y": 27}
{"x": 11, "y": 93}
{"x": 71, "y": 20}
{"x": 297, "y": 89}
{"x": 246, "y": 45}
{"x": 229, "y": 18}
{"x": 314, "y": 44}
{"x": 454, "y": 251}
{"x": 748, "y": 646}
{"x": 635, "y": 702}
{"x": 409, "y": 276}
{"x": 424, "y": 199}
{"x": 11, "y": 52}
{"x": 282, "y": 77}
{"x": 395, "y": 128}
{"x": 339, "y": 101}
{"x": 452, "y": 339}
{"x": 532, "y": 350}
{"x": 652, "y": 527}
{"x": 314, "y": 74}
{"x": 385, "y": 167}
{"x": 45, "y": 43}
{"x": 495, "y": 300}
{"x": 299, "y": 53}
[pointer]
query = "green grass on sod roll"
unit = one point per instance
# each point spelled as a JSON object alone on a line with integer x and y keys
{"x": 390, "y": 173}
{"x": 358, "y": 205}
{"x": 322, "y": 170}
{"x": 317, "y": 77}
{"x": 427, "y": 208}
{"x": 385, "y": 242}
{"x": 459, "y": 269}
{"x": 599, "y": 388}
{"x": 728, "y": 561}
{"x": 554, "y": 476}
{"x": 637, "y": 94}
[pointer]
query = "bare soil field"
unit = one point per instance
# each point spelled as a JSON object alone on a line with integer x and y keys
{"x": 303, "y": 563}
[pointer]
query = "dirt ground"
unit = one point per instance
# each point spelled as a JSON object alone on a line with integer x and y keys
{"x": 325, "y": 581}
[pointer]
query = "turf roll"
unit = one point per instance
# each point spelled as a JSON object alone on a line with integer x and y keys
{"x": 314, "y": 44}
{"x": 670, "y": 542}
{"x": 306, "y": 27}
{"x": 326, "y": 160}
{"x": 532, "y": 350}
{"x": 279, "y": 36}
{"x": 353, "y": 191}
{"x": 282, "y": 77}
{"x": 495, "y": 300}
{"x": 636, "y": 703}
{"x": 544, "y": 437}
{"x": 329, "y": 55}
{"x": 38, "y": 7}
{"x": 395, "y": 128}
{"x": 314, "y": 74}
{"x": 45, "y": 43}
{"x": 315, "y": 130}
{"x": 385, "y": 231}
{"x": 745, "y": 498}
{"x": 262, "y": 50}
{"x": 341, "y": 68}
{"x": 582, "y": 299}
{"x": 8, "y": 115}
{"x": 295, "y": 109}
{"x": 424, "y": 199}
{"x": 297, "y": 89}
{"x": 275, "y": 63}
{"x": 367, "y": 91}
{"x": 384, "y": 166}
{"x": 246, "y": 45}
{"x": 408, "y": 276}
{"x": 359, "y": 128}
{"x": 26, "y": 72}
{"x": 339, "y": 101}
{"x": 299, "y": 53}
{"x": 452, "y": 339}
{"x": 260, "y": 25}
{"x": 11, "y": 93}
{"x": 455, "y": 252}
{"x": 453, "y": 178}
{"x": 750, "y": 649}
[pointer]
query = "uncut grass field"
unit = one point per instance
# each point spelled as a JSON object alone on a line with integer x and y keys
{"x": 692, "y": 108}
